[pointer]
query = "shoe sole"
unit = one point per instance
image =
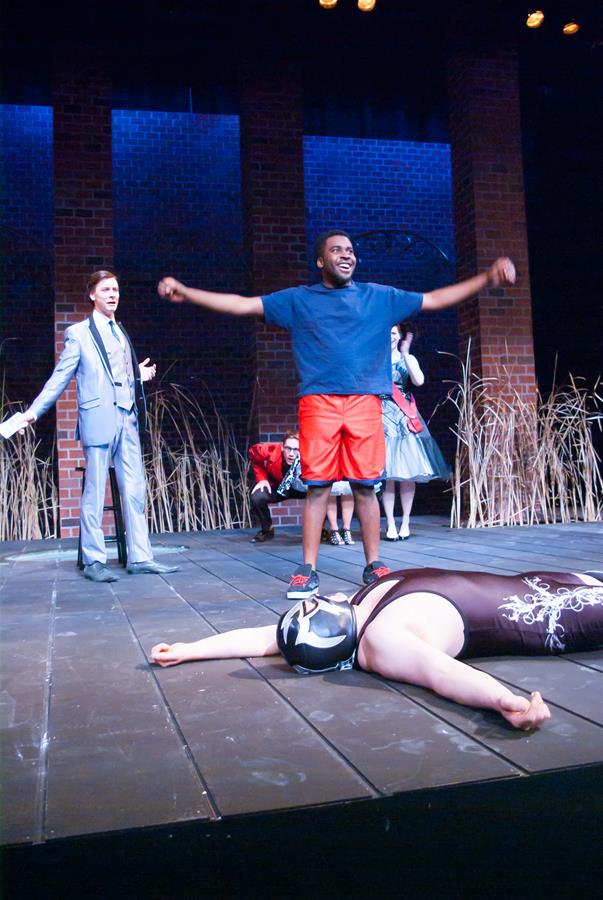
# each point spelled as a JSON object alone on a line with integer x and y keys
{"x": 101, "y": 580}
{"x": 150, "y": 572}
{"x": 301, "y": 595}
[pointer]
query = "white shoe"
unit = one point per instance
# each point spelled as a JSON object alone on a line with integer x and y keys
{"x": 404, "y": 533}
{"x": 392, "y": 534}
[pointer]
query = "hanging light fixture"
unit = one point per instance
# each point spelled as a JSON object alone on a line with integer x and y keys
{"x": 366, "y": 5}
{"x": 571, "y": 27}
{"x": 535, "y": 19}
{"x": 328, "y": 4}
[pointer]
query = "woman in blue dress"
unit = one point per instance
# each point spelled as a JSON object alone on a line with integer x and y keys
{"x": 412, "y": 455}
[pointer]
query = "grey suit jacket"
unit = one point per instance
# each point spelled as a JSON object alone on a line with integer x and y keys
{"x": 85, "y": 356}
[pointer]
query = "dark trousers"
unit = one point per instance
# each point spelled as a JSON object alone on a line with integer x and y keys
{"x": 261, "y": 500}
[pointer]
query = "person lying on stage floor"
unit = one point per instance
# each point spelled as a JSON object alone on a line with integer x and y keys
{"x": 416, "y": 626}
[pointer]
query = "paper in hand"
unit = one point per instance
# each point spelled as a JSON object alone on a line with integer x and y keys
{"x": 12, "y": 425}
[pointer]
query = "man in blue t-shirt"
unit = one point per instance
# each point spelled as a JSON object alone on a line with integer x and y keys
{"x": 340, "y": 332}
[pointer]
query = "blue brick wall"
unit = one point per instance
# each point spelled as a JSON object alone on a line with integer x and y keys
{"x": 365, "y": 184}
{"x": 177, "y": 206}
{"x": 26, "y": 210}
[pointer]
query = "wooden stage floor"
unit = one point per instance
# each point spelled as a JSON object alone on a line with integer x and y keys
{"x": 98, "y": 743}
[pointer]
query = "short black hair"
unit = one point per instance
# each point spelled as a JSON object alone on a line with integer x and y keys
{"x": 321, "y": 240}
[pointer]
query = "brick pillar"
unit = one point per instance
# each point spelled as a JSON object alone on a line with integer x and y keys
{"x": 272, "y": 175}
{"x": 83, "y": 227}
{"x": 490, "y": 218}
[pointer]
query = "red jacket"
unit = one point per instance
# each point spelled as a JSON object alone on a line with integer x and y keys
{"x": 267, "y": 463}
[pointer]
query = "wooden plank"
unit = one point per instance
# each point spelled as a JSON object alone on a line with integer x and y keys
{"x": 254, "y": 751}
{"x": 576, "y": 687}
{"x": 566, "y": 740}
{"x": 395, "y": 744}
{"x": 115, "y": 758}
{"x": 262, "y": 736}
{"x": 592, "y": 659}
{"x": 23, "y": 675}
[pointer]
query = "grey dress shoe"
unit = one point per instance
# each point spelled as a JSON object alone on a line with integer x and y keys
{"x": 150, "y": 567}
{"x": 98, "y": 571}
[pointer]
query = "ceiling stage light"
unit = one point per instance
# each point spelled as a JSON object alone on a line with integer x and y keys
{"x": 366, "y": 5}
{"x": 571, "y": 27}
{"x": 328, "y": 4}
{"x": 535, "y": 19}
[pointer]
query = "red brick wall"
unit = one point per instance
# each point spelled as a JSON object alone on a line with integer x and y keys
{"x": 272, "y": 175}
{"x": 489, "y": 208}
{"x": 83, "y": 228}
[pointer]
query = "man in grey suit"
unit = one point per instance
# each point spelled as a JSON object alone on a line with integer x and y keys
{"x": 110, "y": 399}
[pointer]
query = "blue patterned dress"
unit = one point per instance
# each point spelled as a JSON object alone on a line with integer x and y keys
{"x": 409, "y": 456}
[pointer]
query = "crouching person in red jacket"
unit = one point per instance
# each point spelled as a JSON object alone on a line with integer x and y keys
{"x": 276, "y": 470}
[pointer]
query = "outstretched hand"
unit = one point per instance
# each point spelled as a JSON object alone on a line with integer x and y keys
{"x": 168, "y": 654}
{"x": 524, "y": 714}
{"x": 502, "y": 271}
{"x": 171, "y": 289}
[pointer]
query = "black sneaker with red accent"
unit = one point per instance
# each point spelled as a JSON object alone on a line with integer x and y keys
{"x": 374, "y": 571}
{"x": 303, "y": 584}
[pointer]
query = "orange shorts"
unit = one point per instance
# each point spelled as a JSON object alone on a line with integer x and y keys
{"x": 341, "y": 438}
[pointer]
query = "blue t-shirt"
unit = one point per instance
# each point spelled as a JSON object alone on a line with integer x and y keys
{"x": 341, "y": 336}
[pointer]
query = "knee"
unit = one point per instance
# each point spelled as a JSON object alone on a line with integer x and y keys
{"x": 259, "y": 498}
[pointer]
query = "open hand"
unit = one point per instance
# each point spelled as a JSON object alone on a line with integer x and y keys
{"x": 261, "y": 486}
{"x": 525, "y": 714}
{"x": 406, "y": 342}
{"x": 147, "y": 372}
{"x": 502, "y": 271}
{"x": 171, "y": 289}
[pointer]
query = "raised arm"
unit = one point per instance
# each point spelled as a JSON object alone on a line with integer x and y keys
{"x": 231, "y": 304}
{"x": 501, "y": 272}
{"x": 237, "y": 644}
{"x": 406, "y": 657}
{"x": 411, "y": 362}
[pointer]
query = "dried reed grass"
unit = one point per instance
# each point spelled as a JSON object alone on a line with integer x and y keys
{"x": 29, "y": 502}
{"x": 522, "y": 463}
{"x": 196, "y": 477}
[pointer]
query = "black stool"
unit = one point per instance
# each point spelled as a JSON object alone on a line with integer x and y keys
{"x": 120, "y": 533}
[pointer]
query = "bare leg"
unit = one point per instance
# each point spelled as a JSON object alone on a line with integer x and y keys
{"x": 315, "y": 510}
{"x": 332, "y": 512}
{"x": 407, "y": 495}
{"x": 389, "y": 500}
{"x": 347, "y": 510}
{"x": 367, "y": 510}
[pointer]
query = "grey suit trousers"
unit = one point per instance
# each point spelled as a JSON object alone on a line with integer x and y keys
{"x": 125, "y": 454}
